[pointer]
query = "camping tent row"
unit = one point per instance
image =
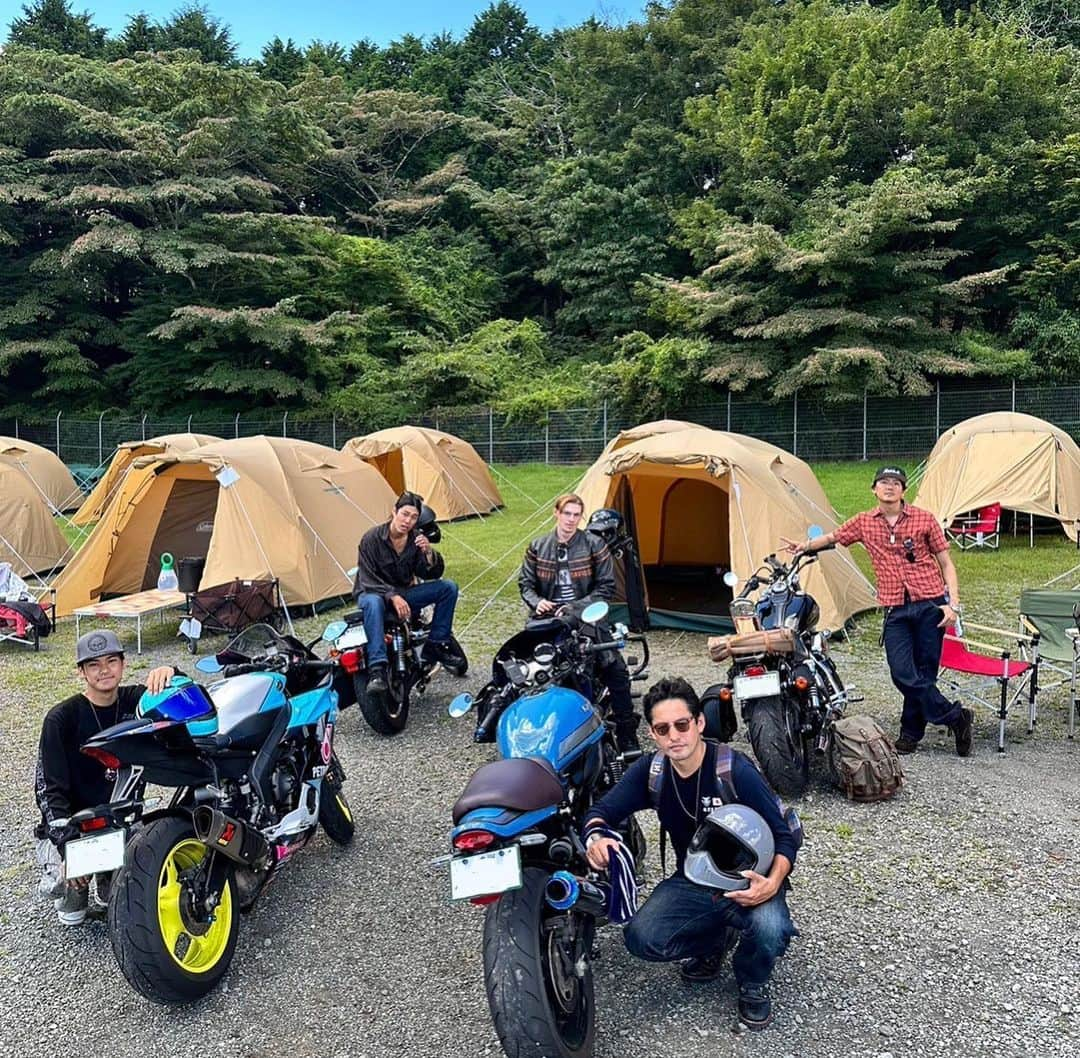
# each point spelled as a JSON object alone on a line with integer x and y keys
{"x": 702, "y": 502}
{"x": 1019, "y": 461}
{"x": 254, "y": 508}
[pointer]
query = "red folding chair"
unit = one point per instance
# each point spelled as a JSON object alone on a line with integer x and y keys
{"x": 965, "y": 657}
{"x": 982, "y": 529}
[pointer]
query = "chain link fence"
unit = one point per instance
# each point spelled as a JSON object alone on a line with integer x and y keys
{"x": 815, "y": 430}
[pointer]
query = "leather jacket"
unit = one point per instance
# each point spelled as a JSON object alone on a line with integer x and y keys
{"x": 592, "y": 571}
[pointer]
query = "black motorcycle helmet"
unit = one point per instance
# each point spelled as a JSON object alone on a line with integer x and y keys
{"x": 605, "y": 523}
{"x": 427, "y": 524}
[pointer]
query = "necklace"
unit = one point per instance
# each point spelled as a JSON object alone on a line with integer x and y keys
{"x": 697, "y": 795}
{"x": 97, "y": 719}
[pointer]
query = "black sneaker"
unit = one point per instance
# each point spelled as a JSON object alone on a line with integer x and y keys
{"x": 755, "y": 1007}
{"x": 376, "y": 683}
{"x": 962, "y": 731}
{"x": 906, "y": 745}
{"x": 702, "y": 968}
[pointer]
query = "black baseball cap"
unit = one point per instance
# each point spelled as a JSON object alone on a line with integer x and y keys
{"x": 891, "y": 472}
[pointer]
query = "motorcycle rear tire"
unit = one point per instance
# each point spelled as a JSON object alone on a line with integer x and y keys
{"x": 142, "y": 912}
{"x": 335, "y": 815}
{"x": 387, "y": 713}
{"x": 528, "y": 1016}
{"x": 773, "y": 728}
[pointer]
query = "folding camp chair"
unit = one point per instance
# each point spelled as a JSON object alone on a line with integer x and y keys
{"x": 22, "y": 618}
{"x": 981, "y": 529}
{"x": 966, "y": 657}
{"x": 1053, "y": 614}
{"x": 227, "y": 609}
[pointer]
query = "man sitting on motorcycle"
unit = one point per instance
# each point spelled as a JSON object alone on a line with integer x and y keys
{"x": 562, "y": 573}
{"x": 67, "y": 781}
{"x": 682, "y": 919}
{"x": 394, "y": 557}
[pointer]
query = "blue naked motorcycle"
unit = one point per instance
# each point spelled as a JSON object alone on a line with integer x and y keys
{"x": 517, "y": 846}
{"x": 251, "y": 763}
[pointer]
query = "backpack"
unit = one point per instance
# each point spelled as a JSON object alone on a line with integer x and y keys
{"x": 864, "y": 760}
{"x": 725, "y": 763}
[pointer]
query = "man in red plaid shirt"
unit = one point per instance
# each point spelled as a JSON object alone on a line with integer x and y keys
{"x": 916, "y": 583}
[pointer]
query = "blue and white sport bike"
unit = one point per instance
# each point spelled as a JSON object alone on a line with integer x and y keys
{"x": 251, "y": 763}
{"x": 517, "y": 845}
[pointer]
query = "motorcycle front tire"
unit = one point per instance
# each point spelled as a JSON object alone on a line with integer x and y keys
{"x": 773, "y": 728}
{"x": 335, "y": 815}
{"x": 522, "y": 984}
{"x": 165, "y": 955}
{"x": 387, "y": 713}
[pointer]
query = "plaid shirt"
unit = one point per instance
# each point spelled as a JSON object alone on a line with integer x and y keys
{"x": 897, "y": 576}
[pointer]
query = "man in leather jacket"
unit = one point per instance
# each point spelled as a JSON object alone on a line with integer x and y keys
{"x": 562, "y": 573}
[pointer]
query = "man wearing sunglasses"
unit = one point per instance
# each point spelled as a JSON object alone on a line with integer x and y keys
{"x": 682, "y": 920}
{"x": 917, "y": 585}
{"x": 561, "y": 574}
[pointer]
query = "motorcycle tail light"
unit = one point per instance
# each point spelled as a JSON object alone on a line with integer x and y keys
{"x": 755, "y": 670}
{"x": 352, "y": 660}
{"x": 102, "y": 756}
{"x": 473, "y": 840}
{"x": 483, "y": 901}
{"x": 725, "y": 694}
{"x": 97, "y": 823}
{"x": 802, "y": 684}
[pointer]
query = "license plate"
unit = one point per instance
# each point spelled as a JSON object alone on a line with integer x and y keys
{"x": 354, "y": 637}
{"x": 757, "y": 686}
{"x": 485, "y": 873}
{"x": 101, "y": 852}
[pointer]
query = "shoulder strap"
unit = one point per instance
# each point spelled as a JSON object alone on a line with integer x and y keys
{"x": 656, "y": 780}
{"x": 725, "y": 765}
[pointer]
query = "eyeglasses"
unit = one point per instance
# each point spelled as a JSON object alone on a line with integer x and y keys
{"x": 682, "y": 725}
{"x": 909, "y": 550}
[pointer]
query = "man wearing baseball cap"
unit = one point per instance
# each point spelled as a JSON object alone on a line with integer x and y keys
{"x": 917, "y": 585}
{"x": 67, "y": 781}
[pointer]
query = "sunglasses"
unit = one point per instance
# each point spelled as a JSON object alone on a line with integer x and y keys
{"x": 682, "y": 725}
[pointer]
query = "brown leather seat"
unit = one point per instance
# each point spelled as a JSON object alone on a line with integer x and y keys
{"x": 523, "y": 784}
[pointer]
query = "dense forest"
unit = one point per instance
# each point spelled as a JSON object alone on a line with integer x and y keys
{"x": 721, "y": 194}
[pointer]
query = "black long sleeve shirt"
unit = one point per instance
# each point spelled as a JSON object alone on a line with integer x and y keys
{"x": 381, "y": 570}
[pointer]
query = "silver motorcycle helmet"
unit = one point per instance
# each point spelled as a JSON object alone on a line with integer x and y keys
{"x": 732, "y": 839}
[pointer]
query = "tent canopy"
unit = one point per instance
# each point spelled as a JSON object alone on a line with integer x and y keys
{"x": 1019, "y": 461}
{"x": 254, "y": 507}
{"x": 702, "y": 502}
{"x": 169, "y": 444}
{"x": 45, "y": 470}
{"x": 29, "y": 537}
{"x": 447, "y": 471}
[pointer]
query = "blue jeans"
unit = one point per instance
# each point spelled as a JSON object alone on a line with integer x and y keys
{"x": 682, "y": 920}
{"x": 913, "y": 649}
{"x": 443, "y": 593}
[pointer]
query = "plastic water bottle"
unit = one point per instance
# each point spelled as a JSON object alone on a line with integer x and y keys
{"x": 167, "y": 579}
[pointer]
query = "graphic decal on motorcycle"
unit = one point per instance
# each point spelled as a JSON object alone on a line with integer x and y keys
{"x": 327, "y": 746}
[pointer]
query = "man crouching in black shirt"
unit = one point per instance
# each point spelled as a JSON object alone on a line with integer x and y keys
{"x": 67, "y": 781}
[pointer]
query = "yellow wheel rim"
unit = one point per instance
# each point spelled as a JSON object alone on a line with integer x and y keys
{"x": 194, "y": 947}
{"x": 344, "y": 806}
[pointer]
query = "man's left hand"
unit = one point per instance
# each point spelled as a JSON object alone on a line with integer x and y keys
{"x": 948, "y": 616}
{"x": 158, "y": 679}
{"x": 761, "y": 889}
{"x": 423, "y": 544}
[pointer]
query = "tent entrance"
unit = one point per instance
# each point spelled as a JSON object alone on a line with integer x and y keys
{"x": 184, "y": 527}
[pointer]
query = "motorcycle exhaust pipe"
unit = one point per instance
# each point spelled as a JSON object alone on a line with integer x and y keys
{"x": 234, "y": 839}
{"x": 563, "y": 892}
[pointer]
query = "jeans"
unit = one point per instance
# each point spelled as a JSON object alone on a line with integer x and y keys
{"x": 682, "y": 920}
{"x": 443, "y": 593}
{"x": 913, "y": 648}
{"x": 68, "y": 898}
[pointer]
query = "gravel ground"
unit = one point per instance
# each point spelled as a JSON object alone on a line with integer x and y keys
{"x": 941, "y": 923}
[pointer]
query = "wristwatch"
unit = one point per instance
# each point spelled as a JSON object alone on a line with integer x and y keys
{"x": 955, "y": 607}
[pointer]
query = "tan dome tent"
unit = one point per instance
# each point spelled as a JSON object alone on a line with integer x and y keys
{"x": 45, "y": 470}
{"x": 29, "y": 537}
{"x": 703, "y": 501}
{"x": 447, "y": 471}
{"x": 169, "y": 444}
{"x": 255, "y": 507}
{"x": 1019, "y": 461}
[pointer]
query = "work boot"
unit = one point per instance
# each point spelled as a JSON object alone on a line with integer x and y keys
{"x": 376, "y": 683}
{"x": 906, "y": 745}
{"x": 626, "y": 734}
{"x": 707, "y": 967}
{"x": 755, "y": 1007}
{"x": 962, "y": 731}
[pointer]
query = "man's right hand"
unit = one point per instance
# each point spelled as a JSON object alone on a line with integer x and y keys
{"x": 598, "y": 852}
{"x": 401, "y": 607}
{"x": 544, "y": 607}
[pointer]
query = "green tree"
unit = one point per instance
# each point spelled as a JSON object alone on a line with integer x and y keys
{"x": 53, "y": 25}
{"x": 281, "y": 61}
{"x": 192, "y": 26}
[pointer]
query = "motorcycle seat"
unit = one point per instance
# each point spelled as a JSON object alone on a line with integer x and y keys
{"x": 523, "y": 784}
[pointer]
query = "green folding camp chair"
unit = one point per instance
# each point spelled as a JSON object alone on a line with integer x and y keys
{"x": 1052, "y": 614}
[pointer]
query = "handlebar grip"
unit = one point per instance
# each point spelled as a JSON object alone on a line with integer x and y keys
{"x": 599, "y": 648}
{"x": 240, "y": 670}
{"x": 827, "y": 547}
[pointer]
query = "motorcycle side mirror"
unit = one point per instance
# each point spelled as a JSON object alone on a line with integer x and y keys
{"x": 730, "y": 579}
{"x": 334, "y": 630}
{"x": 209, "y": 665}
{"x": 594, "y": 613}
{"x": 460, "y": 706}
{"x": 544, "y": 653}
{"x": 814, "y": 532}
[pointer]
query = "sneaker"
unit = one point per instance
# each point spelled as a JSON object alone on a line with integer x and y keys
{"x": 376, "y": 683}
{"x": 962, "y": 731}
{"x": 702, "y": 968}
{"x": 906, "y": 745}
{"x": 71, "y": 907}
{"x": 755, "y": 1007}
